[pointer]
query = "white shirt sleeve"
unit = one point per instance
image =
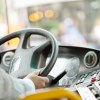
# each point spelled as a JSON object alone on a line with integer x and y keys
{"x": 11, "y": 88}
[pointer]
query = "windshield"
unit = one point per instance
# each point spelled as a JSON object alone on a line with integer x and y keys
{"x": 73, "y": 22}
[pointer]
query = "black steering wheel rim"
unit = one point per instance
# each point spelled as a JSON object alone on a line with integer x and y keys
{"x": 45, "y": 71}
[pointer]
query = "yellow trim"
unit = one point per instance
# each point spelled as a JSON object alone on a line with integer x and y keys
{"x": 51, "y": 94}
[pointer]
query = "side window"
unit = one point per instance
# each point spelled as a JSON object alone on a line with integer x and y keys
{"x": 10, "y": 45}
{"x": 3, "y": 21}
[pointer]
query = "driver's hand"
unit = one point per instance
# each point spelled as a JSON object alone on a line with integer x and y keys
{"x": 39, "y": 81}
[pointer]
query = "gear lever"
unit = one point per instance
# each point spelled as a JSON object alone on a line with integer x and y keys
{"x": 54, "y": 81}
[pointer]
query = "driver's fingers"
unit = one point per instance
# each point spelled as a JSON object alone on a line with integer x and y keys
{"x": 36, "y": 72}
{"x": 41, "y": 82}
{"x": 46, "y": 80}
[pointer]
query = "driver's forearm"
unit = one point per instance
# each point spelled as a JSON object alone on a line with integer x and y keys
{"x": 11, "y": 88}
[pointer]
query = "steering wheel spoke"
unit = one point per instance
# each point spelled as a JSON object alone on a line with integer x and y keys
{"x": 21, "y": 42}
{"x": 41, "y": 47}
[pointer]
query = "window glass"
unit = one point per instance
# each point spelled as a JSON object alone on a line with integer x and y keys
{"x": 74, "y": 23}
{"x": 3, "y": 24}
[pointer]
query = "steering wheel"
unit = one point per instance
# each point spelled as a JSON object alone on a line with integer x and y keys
{"x": 24, "y": 56}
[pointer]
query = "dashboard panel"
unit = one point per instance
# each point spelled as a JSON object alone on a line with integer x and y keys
{"x": 89, "y": 58}
{"x": 81, "y": 64}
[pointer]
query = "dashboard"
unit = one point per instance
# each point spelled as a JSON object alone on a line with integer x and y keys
{"x": 84, "y": 66}
{"x": 81, "y": 64}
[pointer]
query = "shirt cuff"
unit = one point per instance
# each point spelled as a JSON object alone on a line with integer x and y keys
{"x": 29, "y": 85}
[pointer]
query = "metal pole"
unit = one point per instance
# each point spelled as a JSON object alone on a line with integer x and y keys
{"x": 7, "y": 17}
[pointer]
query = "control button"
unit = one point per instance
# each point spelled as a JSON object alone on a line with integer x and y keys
{"x": 99, "y": 74}
{"x": 79, "y": 81}
{"x": 94, "y": 75}
{"x": 82, "y": 80}
{"x": 97, "y": 71}
{"x": 85, "y": 93}
{"x": 98, "y": 78}
{"x": 97, "y": 87}
{"x": 79, "y": 85}
{"x": 94, "y": 72}
{"x": 85, "y": 75}
{"x": 81, "y": 76}
{"x": 95, "y": 93}
{"x": 85, "y": 84}
{"x": 93, "y": 79}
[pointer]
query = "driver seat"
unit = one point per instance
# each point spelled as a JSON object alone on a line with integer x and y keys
{"x": 52, "y": 94}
